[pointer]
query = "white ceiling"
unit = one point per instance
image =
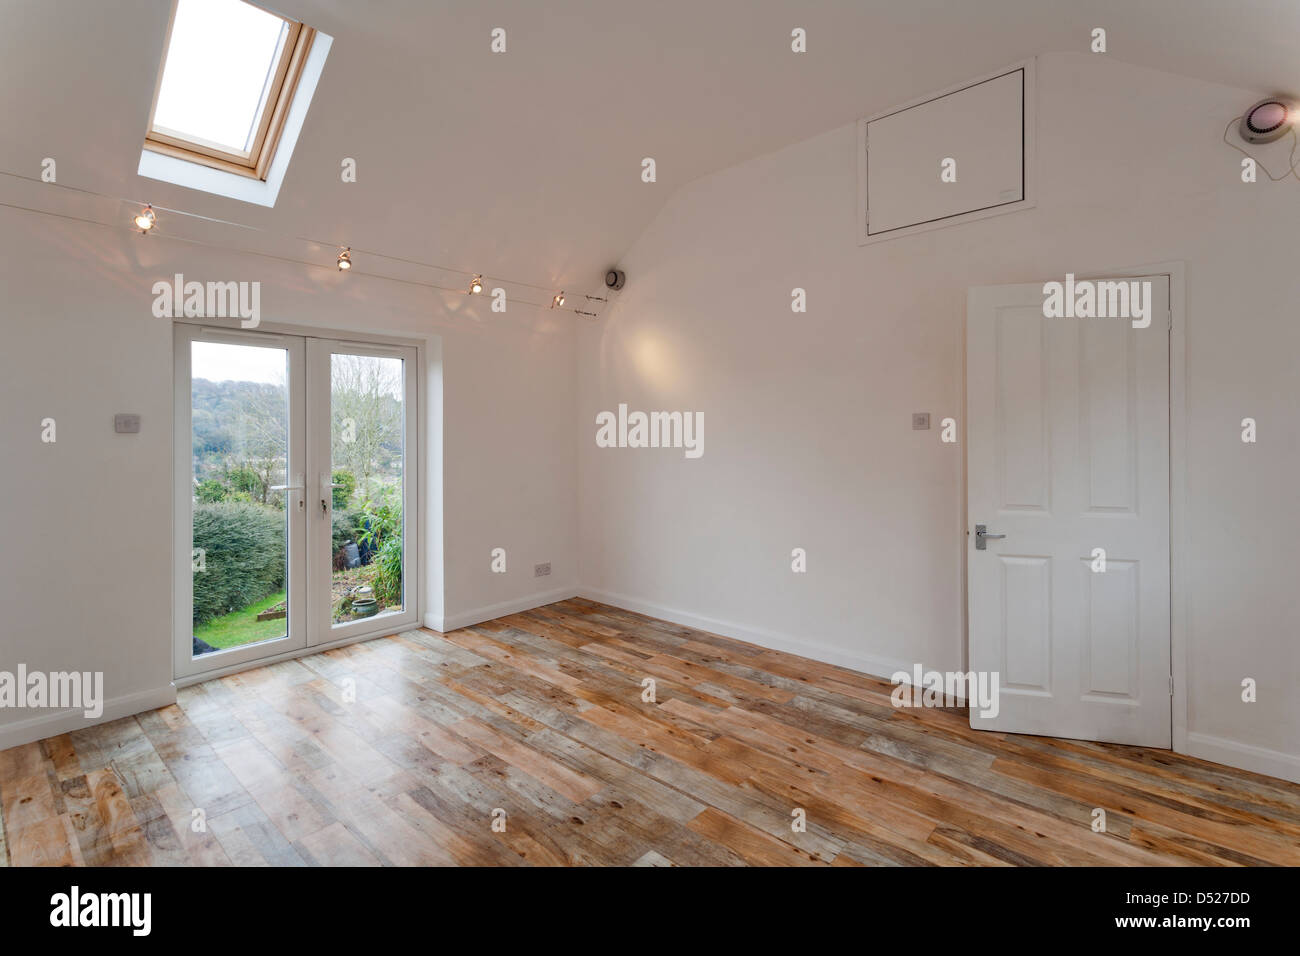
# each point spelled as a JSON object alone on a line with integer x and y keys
{"x": 527, "y": 164}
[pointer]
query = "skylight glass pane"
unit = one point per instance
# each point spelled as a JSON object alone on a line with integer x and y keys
{"x": 219, "y": 66}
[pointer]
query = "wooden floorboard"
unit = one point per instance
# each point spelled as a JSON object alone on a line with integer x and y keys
{"x": 526, "y": 741}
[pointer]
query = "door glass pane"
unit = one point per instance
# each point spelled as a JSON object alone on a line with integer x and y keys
{"x": 239, "y": 407}
{"x": 367, "y": 412}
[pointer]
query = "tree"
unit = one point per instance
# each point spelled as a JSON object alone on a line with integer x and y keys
{"x": 366, "y": 432}
{"x": 211, "y": 490}
{"x": 345, "y": 483}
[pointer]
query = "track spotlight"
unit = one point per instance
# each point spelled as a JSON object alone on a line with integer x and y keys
{"x": 476, "y": 285}
{"x": 558, "y": 300}
{"x": 345, "y": 259}
{"x": 146, "y": 219}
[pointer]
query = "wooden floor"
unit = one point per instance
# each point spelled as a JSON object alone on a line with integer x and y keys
{"x": 400, "y": 750}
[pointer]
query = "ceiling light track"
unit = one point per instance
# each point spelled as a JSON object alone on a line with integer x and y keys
{"x": 266, "y": 255}
{"x": 149, "y": 211}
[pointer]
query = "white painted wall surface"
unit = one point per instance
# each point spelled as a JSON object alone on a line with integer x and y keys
{"x": 808, "y": 416}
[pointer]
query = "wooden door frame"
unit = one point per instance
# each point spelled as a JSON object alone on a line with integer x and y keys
{"x": 1175, "y": 270}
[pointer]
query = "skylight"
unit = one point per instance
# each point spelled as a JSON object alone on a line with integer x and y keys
{"x": 227, "y": 78}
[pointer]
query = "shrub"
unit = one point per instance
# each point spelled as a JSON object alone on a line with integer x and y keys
{"x": 243, "y": 546}
{"x": 382, "y": 535}
{"x": 387, "y": 581}
{"x": 245, "y": 479}
{"x": 212, "y": 489}
{"x": 382, "y": 518}
{"x": 347, "y": 483}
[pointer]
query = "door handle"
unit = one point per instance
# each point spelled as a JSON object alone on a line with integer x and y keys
{"x": 327, "y": 487}
{"x": 982, "y": 534}
{"x": 298, "y": 487}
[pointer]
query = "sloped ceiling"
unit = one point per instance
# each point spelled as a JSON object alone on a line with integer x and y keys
{"x": 526, "y": 164}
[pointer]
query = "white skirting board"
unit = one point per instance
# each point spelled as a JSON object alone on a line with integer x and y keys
{"x": 488, "y": 612}
{"x": 65, "y": 721}
{"x": 1233, "y": 753}
{"x": 872, "y": 666}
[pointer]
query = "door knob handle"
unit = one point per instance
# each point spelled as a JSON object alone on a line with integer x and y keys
{"x": 287, "y": 487}
{"x": 982, "y": 534}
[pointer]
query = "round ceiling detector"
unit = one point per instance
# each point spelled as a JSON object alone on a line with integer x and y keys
{"x": 1266, "y": 121}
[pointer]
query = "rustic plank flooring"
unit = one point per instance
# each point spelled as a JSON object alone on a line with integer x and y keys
{"x": 404, "y": 750}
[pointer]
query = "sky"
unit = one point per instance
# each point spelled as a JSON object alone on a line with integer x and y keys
{"x": 241, "y": 363}
{"x": 222, "y": 362}
{"x": 216, "y": 70}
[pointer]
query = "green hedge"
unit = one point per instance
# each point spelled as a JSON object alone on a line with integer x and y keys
{"x": 244, "y": 556}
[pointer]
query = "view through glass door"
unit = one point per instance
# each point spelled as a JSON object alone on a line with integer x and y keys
{"x": 362, "y": 546}
{"x": 295, "y": 497}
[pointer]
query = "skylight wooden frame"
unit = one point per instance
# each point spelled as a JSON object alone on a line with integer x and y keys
{"x": 290, "y": 58}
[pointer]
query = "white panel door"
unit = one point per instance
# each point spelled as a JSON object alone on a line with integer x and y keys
{"x": 1068, "y": 453}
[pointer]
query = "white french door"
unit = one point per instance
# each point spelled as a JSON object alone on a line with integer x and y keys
{"x": 1068, "y": 517}
{"x": 296, "y": 493}
{"x": 361, "y": 431}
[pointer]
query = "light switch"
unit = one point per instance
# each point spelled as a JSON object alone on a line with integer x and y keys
{"x": 126, "y": 424}
{"x": 920, "y": 421}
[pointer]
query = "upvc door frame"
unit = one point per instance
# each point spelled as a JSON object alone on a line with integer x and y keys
{"x": 315, "y": 638}
{"x": 320, "y": 520}
{"x": 297, "y": 621}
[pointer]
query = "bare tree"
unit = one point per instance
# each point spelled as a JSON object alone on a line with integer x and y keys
{"x": 260, "y": 439}
{"x": 366, "y": 431}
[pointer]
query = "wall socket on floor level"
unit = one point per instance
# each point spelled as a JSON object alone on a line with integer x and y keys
{"x": 541, "y": 570}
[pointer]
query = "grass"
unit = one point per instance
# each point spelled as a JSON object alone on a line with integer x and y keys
{"x": 242, "y": 627}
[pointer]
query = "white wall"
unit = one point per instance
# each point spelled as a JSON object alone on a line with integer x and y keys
{"x": 85, "y": 554}
{"x": 808, "y": 439}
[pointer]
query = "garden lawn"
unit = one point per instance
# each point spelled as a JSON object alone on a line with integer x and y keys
{"x": 242, "y": 627}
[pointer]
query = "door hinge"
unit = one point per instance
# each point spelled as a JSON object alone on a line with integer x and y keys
{"x": 1171, "y": 685}
{"x": 1169, "y": 321}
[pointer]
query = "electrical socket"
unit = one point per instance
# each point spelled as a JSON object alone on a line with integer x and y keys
{"x": 541, "y": 570}
{"x": 920, "y": 421}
